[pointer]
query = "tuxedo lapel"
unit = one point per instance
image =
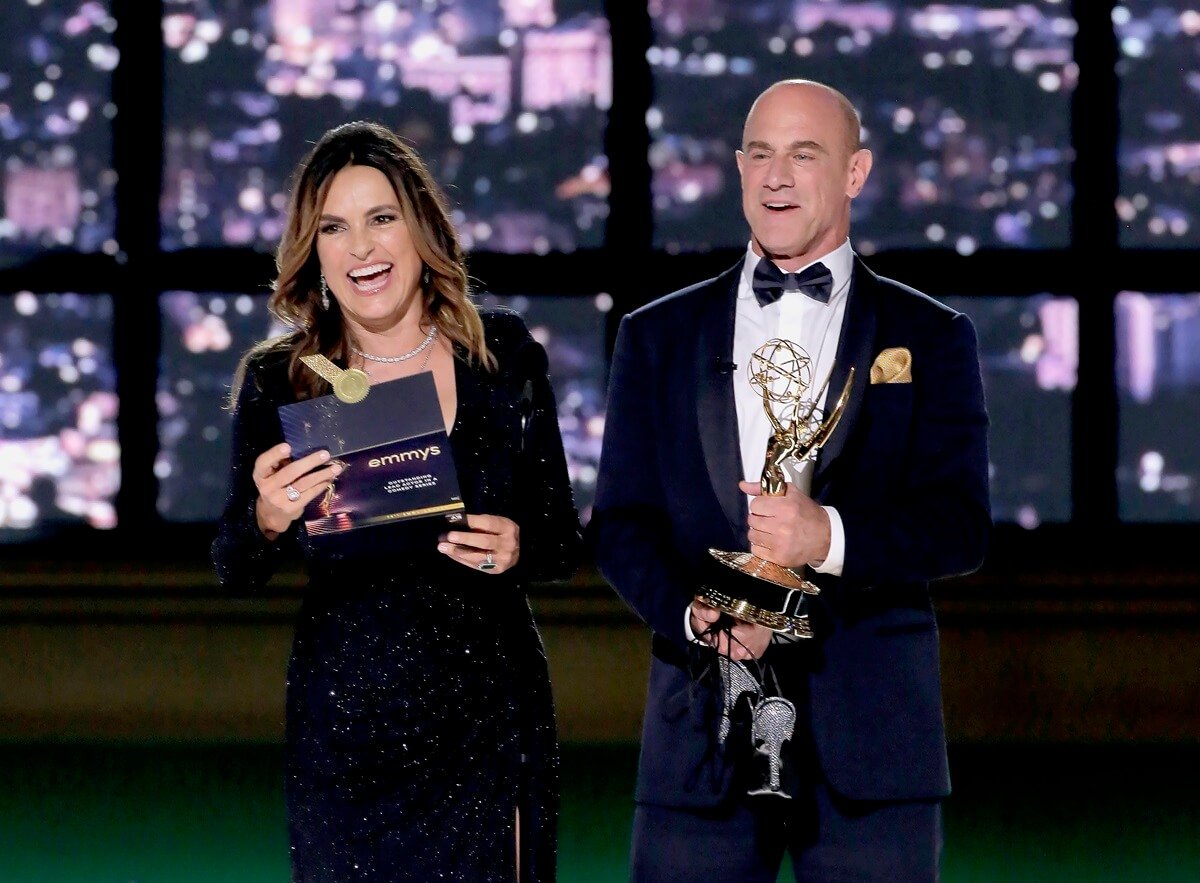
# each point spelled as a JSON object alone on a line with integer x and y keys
{"x": 716, "y": 415}
{"x": 854, "y": 350}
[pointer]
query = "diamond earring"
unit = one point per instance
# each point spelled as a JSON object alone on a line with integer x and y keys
{"x": 324, "y": 294}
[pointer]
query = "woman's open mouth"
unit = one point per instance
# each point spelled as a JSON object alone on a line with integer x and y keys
{"x": 371, "y": 278}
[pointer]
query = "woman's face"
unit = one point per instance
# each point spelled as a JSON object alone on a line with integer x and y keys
{"x": 366, "y": 251}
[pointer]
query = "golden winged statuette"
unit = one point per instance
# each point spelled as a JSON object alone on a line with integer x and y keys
{"x": 781, "y": 373}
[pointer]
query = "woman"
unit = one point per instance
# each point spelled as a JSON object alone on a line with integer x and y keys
{"x": 420, "y": 729}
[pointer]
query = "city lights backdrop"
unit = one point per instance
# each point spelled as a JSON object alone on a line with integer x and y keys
{"x": 968, "y": 106}
{"x": 587, "y": 148}
{"x": 507, "y": 101}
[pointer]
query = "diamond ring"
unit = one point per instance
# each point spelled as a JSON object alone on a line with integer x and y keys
{"x": 292, "y": 493}
{"x": 487, "y": 563}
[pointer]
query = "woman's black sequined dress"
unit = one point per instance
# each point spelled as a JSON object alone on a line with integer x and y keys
{"x": 419, "y": 715}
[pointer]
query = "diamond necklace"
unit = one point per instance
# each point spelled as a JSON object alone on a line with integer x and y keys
{"x": 404, "y": 357}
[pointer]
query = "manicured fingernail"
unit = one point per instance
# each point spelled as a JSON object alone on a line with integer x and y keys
{"x": 443, "y": 547}
{"x": 336, "y": 469}
{"x": 324, "y": 455}
{"x": 285, "y": 450}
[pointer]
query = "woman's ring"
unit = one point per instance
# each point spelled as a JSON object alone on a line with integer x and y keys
{"x": 487, "y": 563}
{"x": 292, "y": 493}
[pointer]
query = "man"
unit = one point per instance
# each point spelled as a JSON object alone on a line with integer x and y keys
{"x": 897, "y": 497}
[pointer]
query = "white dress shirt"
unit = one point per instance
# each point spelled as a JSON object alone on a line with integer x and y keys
{"x": 817, "y": 329}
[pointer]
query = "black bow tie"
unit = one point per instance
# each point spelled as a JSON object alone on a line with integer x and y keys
{"x": 770, "y": 282}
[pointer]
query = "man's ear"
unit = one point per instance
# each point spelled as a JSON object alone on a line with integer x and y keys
{"x": 860, "y": 168}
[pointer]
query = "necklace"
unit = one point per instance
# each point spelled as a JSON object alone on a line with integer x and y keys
{"x": 404, "y": 357}
{"x": 425, "y": 361}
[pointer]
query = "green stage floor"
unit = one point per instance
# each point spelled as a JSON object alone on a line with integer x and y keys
{"x": 180, "y": 813}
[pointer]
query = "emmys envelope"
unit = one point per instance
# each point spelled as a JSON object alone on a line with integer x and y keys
{"x": 394, "y": 452}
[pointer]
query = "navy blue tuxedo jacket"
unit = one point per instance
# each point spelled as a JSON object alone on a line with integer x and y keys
{"x": 906, "y": 468}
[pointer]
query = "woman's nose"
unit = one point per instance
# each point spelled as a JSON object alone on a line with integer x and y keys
{"x": 361, "y": 244}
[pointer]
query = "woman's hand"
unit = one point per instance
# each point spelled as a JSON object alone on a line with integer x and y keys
{"x": 276, "y": 475}
{"x": 492, "y": 544}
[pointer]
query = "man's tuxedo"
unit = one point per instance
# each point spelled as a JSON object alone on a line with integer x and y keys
{"x": 906, "y": 469}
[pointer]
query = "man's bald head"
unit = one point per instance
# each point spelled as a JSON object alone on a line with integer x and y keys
{"x": 838, "y": 102}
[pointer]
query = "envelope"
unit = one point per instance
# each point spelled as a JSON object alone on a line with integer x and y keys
{"x": 396, "y": 459}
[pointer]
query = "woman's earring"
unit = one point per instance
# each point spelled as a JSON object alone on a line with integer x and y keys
{"x": 324, "y": 294}
{"x": 425, "y": 277}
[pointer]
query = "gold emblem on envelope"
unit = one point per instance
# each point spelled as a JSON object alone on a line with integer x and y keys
{"x": 350, "y": 385}
{"x": 892, "y": 365}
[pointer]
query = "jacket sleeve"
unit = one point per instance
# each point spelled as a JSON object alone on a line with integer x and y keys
{"x": 550, "y": 536}
{"x": 630, "y": 527}
{"x": 934, "y": 523}
{"x": 243, "y": 557}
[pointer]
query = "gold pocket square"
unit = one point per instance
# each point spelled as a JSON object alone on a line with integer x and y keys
{"x": 893, "y": 365}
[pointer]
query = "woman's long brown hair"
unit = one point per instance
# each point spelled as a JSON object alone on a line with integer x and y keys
{"x": 296, "y": 298}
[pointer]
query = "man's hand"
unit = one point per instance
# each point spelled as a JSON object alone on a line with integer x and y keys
{"x": 749, "y": 641}
{"x": 789, "y": 530}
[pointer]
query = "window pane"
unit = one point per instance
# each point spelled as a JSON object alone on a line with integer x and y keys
{"x": 1159, "y": 152}
{"x": 1158, "y": 397}
{"x": 966, "y": 106}
{"x": 60, "y": 462}
{"x": 56, "y": 63}
{"x": 1029, "y": 348}
{"x": 507, "y": 102}
{"x": 204, "y": 337}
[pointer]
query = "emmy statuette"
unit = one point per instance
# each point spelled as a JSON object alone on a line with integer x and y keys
{"x": 781, "y": 373}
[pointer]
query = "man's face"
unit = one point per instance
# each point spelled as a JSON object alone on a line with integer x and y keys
{"x": 799, "y": 174}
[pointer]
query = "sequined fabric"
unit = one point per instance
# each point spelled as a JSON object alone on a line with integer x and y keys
{"x": 419, "y": 715}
